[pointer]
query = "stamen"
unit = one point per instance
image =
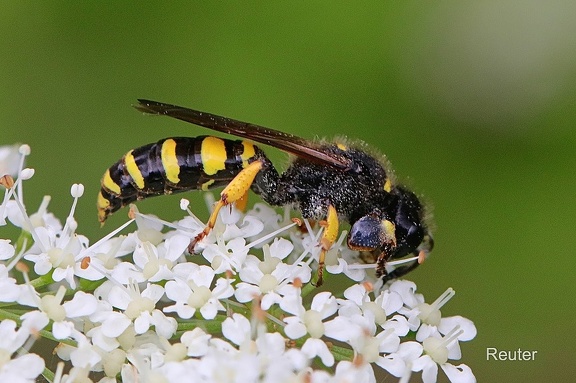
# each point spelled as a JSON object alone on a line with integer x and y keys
{"x": 23, "y": 268}
{"x": 210, "y": 201}
{"x": 407, "y": 373}
{"x": 452, "y": 335}
{"x": 58, "y": 373}
{"x": 103, "y": 239}
{"x": 7, "y": 181}
{"x": 18, "y": 257}
{"x": 444, "y": 298}
{"x": 24, "y": 150}
{"x": 268, "y": 236}
{"x": 76, "y": 191}
{"x": 31, "y": 228}
{"x": 401, "y": 261}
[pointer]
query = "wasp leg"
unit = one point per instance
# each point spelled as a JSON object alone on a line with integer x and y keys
{"x": 328, "y": 238}
{"x": 242, "y": 202}
{"x": 399, "y": 272}
{"x": 235, "y": 191}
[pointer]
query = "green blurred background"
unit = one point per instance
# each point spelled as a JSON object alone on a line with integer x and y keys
{"x": 474, "y": 104}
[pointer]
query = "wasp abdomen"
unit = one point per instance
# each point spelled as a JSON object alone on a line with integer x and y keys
{"x": 172, "y": 165}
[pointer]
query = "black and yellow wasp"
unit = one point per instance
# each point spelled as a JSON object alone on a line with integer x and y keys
{"x": 328, "y": 181}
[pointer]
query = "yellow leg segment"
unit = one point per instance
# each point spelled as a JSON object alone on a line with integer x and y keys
{"x": 328, "y": 238}
{"x": 242, "y": 202}
{"x": 235, "y": 191}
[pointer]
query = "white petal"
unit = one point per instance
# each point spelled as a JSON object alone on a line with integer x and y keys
{"x": 292, "y": 301}
{"x": 458, "y": 374}
{"x": 176, "y": 246}
{"x": 399, "y": 323}
{"x": 355, "y": 293}
{"x": 316, "y": 347}
{"x": 391, "y": 301}
{"x": 210, "y": 309}
{"x": 428, "y": 367}
{"x": 223, "y": 289}
{"x": 84, "y": 356}
{"x": 410, "y": 350}
{"x": 126, "y": 272}
{"x": 236, "y": 329}
{"x": 165, "y": 326}
{"x": 246, "y": 292}
{"x": 177, "y": 290}
{"x": 196, "y": 341}
{"x": 34, "y": 321}
{"x": 427, "y": 331}
{"x": 342, "y": 329}
{"x": 153, "y": 292}
{"x": 389, "y": 342}
{"x": 325, "y": 304}
{"x": 9, "y": 290}
{"x": 119, "y": 297}
{"x": 251, "y": 226}
{"x": 62, "y": 330}
{"x": 294, "y": 329}
{"x": 407, "y": 291}
{"x": 142, "y": 322}
{"x": 269, "y": 299}
{"x": 392, "y": 363}
{"x": 203, "y": 276}
{"x": 115, "y": 324}
{"x": 230, "y": 216}
{"x": 27, "y": 366}
{"x": 98, "y": 339}
{"x": 183, "y": 310}
{"x": 447, "y": 324}
{"x": 143, "y": 253}
{"x": 351, "y": 372}
{"x": 271, "y": 344}
{"x": 82, "y": 304}
{"x": 454, "y": 351}
{"x": 281, "y": 248}
{"x": 6, "y": 249}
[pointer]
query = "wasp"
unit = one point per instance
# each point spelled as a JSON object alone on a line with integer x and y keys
{"x": 326, "y": 181}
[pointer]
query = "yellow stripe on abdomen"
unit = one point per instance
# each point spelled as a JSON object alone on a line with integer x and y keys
{"x": 248, "y": 152}
{"x": 170, "y": 161}
{"x": 133, "y": 170}
{"x": 213, "y": 154}
{"x": 109, "y": 183}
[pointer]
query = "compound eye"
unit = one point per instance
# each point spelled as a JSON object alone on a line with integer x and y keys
{"x": 371, "y": 233}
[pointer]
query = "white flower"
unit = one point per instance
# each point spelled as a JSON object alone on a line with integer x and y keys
{"x": 311, "y": 322}
{"x": 191, "y": 291}
{"x": 117, "y": 330}
{"x": 354, "y": 372}
{"x": 50, "y": 309}
{"x": 156, "y": 262}
{"x": 22, "y": 369}
{"x": 197, "y": 342}
{"x": 269, "y": 278}
{"x": 10, "y": 338}
{"x": 10, "y": 291}
{"x": 140, "y": 308}
{"x": 84, "y": 355}
{"x": 236, "y": 329}
{"x": 7, "y": 251}
{"x": 399, "y": 363}
{"x": 228, "y": 256}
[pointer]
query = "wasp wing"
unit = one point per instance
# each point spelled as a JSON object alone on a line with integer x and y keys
{"x": 284, "y": 141}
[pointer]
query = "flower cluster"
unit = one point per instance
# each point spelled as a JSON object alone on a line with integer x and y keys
{"x": 136, "y": 307}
